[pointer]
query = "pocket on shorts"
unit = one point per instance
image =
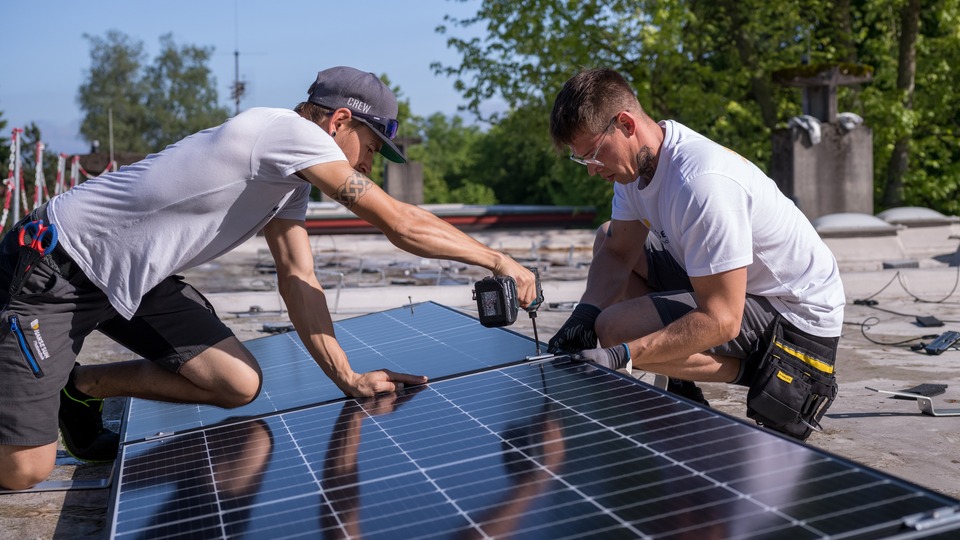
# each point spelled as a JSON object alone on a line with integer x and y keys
{"x": 780, "y": 393}
{"x": 793, "y": 387}
{"x": 23, "y": 345}
{"x": 43, "y": 280}
{"x": 189, "y": 291}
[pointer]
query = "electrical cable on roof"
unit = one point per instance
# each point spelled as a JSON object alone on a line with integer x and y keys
{"x": 873, "y": 304}
{"x": 866, "y": 323}
{"x": 864, "y": 300}
{"x": 918, "y": 299}
{"x": 867, "y": 301}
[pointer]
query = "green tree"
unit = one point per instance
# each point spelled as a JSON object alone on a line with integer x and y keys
{"x": 516, "y": 158}
{"x": 151, "y": 106}
{"x": 933, "y": 177}
{"x": 687, "y": 61}
{"x": 709, "y": 66}
{"x": 916, "y": 150}
{"x": 447, "y": 153}
{"x": 181, "y": 93}
{"x": 906, "y": 78}
{"x": 114, "y": 87}
{"x": 697, "y": 62}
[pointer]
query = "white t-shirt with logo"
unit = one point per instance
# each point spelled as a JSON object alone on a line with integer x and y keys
{"x": 715, "y": 211}
{"x": 192, "y": 202}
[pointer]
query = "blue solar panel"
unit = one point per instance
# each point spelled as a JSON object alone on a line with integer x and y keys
{"x": 547, "y": 449}
{"x": 425, "y": 339}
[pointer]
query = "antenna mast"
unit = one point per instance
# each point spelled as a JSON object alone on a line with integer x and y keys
{"x": 239, "y": 87}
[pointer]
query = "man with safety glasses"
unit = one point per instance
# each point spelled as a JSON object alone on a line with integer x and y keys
{"x": 706, "y": 271}
{"x": 124, "y": 236}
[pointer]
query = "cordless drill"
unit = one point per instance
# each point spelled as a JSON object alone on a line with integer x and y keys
{"x": 498, "y": 305}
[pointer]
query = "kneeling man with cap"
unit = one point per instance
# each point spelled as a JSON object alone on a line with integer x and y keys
{"x": 124, "y": 237}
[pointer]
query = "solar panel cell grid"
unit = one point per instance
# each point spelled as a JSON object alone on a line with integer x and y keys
{"x": 428, "y": 339}
{"x": 538, "y": 450}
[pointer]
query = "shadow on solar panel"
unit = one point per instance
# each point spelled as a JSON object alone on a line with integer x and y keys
{"x": 423, "y": 339}
{"x": 546, "y": 449}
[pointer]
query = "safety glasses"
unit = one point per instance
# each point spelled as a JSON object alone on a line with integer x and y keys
{"x": 592, "y": 160}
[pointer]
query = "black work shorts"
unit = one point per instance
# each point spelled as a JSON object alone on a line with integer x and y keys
{"x": 42, "y": 330}
{"x": 675, "y": 299}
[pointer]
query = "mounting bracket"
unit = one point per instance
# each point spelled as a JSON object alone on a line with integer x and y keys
{"x": 924, "y": 402}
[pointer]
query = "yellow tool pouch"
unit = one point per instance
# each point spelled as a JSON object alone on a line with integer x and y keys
{"x": 794, "y": 385}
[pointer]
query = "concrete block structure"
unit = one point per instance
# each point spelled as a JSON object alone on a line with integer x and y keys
{"x": 823, "y": 163}
{"x": 404, "y": 181}
{"x": 833, "y": 176}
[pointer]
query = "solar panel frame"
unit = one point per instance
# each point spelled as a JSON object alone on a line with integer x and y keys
{"x": 423, "y": 339}
{"x": 634, "y": 462}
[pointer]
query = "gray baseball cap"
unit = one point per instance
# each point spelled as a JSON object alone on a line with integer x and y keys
{"x": 370, "y": 101}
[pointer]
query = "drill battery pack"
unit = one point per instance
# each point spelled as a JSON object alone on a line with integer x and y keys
{"x": 497, "y": 301}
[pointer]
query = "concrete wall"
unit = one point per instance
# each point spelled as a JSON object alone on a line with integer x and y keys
{"x": 404, "y": 181}
{"x": 833, "y": 176}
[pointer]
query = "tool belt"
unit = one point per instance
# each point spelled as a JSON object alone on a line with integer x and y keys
{"x": 795, "y": 383}
{"x": 58, "y": 259}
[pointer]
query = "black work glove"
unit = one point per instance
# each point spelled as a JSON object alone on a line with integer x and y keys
{"x": 577, "y": 333}
{"x": 616, "y": 357}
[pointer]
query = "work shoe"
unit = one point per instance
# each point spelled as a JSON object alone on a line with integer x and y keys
{"x": 687, "y": 389}
{"x": 81, "y": 425}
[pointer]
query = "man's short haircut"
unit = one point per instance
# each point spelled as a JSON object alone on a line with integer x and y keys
{"x": 312, "y": 112}
{"x": 318, "y": 113}
{"x": 587, "y": 102}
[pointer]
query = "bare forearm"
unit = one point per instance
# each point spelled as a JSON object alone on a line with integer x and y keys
{"x": 424, "y": 234}
{"x": 677, "y": 350}
{"x": 308, "y": 310}
{"x": 412, "y": 228}
{"x": 693, "y": 333}
{"x": 717, "y": 319}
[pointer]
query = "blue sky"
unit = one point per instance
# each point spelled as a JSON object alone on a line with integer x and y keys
{"x": 282, "y": 44}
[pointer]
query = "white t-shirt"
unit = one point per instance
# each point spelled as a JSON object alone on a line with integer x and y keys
{"x": 194, "y": 201}
{"x": 715, "y": 211}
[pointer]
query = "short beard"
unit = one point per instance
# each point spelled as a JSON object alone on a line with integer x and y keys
{"x": 646, "y": 165}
